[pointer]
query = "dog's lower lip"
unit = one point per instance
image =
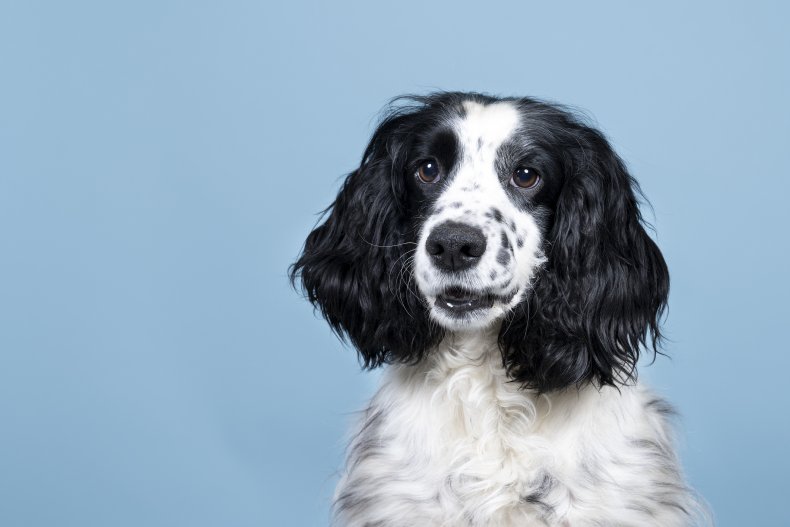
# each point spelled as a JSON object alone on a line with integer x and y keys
{"x": 462, "y": 301}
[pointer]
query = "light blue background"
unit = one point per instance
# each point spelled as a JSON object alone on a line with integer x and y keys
{"x": 161, "y": 163}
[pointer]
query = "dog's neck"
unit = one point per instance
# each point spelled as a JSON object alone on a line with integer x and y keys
{"x": 467, "y": 368}
{"x": 473, "y": 345}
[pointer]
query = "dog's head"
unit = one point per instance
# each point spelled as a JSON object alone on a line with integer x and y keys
{"x": 470, "y": 211}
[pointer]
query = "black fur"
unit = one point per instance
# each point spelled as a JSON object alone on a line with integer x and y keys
{"x": 604, "y": 288}
{"x": 356, "y": 266}
{"x": 593, "y": 305}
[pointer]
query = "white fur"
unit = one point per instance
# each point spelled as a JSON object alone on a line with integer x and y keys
{"x": 451, "y": 442}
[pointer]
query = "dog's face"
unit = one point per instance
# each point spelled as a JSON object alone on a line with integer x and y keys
{"x": 469, "y": 211}
{"x": 486, "y": 197}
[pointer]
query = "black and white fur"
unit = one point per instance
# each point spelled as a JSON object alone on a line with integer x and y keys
{"x": 524, "y": 408}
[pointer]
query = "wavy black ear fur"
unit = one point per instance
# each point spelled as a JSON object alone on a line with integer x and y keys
{"x": 356, "y": 265}
{"x": 593, "y": 306}
{"x": 604, "y": 288}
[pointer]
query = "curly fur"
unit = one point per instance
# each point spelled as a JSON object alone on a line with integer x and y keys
{"x": 526, "y": 413}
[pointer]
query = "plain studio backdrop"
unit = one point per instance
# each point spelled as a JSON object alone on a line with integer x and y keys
{"x": 162, "y": 162}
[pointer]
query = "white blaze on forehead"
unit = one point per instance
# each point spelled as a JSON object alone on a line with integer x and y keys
{"x": 490, "y": 124}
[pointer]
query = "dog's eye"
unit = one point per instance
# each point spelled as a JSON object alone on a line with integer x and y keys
{"x": 429, "y": 172}
{"x": 524, "y": 177}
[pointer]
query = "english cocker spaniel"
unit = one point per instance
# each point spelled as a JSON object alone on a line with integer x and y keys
{"x": 491, "y": 252}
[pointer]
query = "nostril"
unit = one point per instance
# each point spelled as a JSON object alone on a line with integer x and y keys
{"x": 474, "y": 249}
{"x": 434, "y": 248}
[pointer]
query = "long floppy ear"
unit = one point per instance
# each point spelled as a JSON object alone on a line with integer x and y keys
{"x": 356, "y": 265}
{"x": 602, "y": 293}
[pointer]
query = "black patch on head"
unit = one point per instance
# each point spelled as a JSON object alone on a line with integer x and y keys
{"x": 444, "y": 147}
{"x": 505, "y": 241}
{"x": 512, "y": 225}
{"x": 438, "y": 210}
{"x": 497, "y": 214}
{"x": 493, "y": 275}
{"x": 503, "y": 256}
{"x": 519, "y": 242}
{"x": 536, "y": 146}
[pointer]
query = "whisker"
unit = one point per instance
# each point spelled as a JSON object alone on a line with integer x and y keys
{"x": 386, "y": 246}
{"x": 396, "y": 290}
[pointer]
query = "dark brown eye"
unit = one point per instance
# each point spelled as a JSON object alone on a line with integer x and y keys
{"x": 524, "y": 177}
{"x": 429, "y": 172}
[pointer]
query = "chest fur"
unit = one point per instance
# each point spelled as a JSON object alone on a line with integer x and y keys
{"x": 454, "y": 442}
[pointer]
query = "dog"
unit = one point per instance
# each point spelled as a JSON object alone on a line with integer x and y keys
{"x": 490, "y": 251}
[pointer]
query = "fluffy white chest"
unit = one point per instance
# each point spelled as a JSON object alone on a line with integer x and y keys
{"x": 450, "y": 442}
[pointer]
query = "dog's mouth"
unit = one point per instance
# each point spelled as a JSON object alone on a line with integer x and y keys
{"x": 457, "y": 301}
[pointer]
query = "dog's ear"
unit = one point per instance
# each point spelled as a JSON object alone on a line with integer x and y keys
{"x": 603, "y": 290}
{"x": 356, "y": 266}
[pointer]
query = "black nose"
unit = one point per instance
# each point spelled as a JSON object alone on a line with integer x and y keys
{"x": 455, "y": 246}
